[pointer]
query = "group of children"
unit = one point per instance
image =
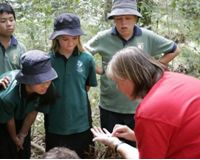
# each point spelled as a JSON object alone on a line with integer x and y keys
{"x": 55, "y": 84}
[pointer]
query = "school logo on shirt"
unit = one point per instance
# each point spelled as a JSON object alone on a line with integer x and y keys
{"x": 15, "y": 59}
{"x": 79, "y": 66}
{"x": 140, "y": 45}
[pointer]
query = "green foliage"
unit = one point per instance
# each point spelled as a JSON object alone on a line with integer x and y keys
{"x": 187, "y": 63}
{"x": 146, "y": 8}
{"x": 35, "y": 19}
{"x": 175, "y": 19}
{"x": 189, "y": 11}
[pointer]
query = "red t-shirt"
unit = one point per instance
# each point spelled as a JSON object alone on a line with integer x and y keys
{"x": 168, "y": 118}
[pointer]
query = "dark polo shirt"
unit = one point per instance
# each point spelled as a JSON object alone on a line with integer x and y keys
{"x": 70, "y": 113}
{"x": 10, "y": 57}
{"x": 15, "y": 103}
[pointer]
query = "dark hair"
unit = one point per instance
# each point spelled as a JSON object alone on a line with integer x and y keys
{"x": 6, "y": 8}
{"x": 133, "y": 64}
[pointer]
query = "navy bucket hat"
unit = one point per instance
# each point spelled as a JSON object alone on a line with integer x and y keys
{"x": 36, "y": 68}
{"x": 66, "y": 24}
{"x": 124, "y": 7}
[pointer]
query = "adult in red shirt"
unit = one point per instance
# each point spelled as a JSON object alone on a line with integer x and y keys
{"x": 168, "y": 116}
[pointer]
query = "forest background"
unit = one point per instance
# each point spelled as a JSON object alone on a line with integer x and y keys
{"x": 178, "y": 20}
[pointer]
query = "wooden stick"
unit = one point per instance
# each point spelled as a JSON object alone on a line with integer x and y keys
{"x": 40, "y": 148}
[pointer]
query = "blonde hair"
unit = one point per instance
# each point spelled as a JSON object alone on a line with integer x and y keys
{"x": 133, "y": 64}
{"x": 55, "y": 46}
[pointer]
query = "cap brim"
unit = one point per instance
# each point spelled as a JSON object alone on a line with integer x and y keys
{"x": 122, "y": 12}
{"x": 70, "y": 32}
{"x": 36, "y": 79}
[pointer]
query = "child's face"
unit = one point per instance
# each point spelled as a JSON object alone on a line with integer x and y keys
{"x": 38, "y": 88}
{"x": 7, "y": 24}
{"x": 68, "y": 43}
{"x": 125, "y": 25}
